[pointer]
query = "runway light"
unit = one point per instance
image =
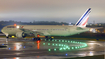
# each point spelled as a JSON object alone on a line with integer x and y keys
{"x": 66, "y": 54}
{"x": 62, "y": 40}
{"x": 56, "y": 44}
{"x": 2, "y": 44}
{"x": 49, "y": 49}
{"x": 76, "y": 47}
{"x": 69, "y": 48}
{"x": 59, "y": 40}
{"x": 65, "y": 41}
{"x": 64, "y": 48}
{"x": 48, "y": 43}
{"x": 72, "y": 47}
{"x": 60, "y": 49}
{"x": 43, "y": 43}
{"x": 54, "y": 49}
{"x": 59, "y": 44}
{"x": 9, "y": 48}
{"x": 24, "y": 47}
{"x": 53, "y": 44}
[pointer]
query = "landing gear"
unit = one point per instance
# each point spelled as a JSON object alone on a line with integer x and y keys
{"x": 48, "y": 38}
{"x": 36, "y": 39}
{"x": 7, "y": 37}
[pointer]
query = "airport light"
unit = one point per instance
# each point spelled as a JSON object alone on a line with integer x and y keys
{"x": 48, "y": 43}
{"x": 60, "y": 49}
{"x": 43, "y": 43}
{"x": 66, "y": 54}
{"x": 65, "y": 41}
{"x": 24, "y": 47}
{"x": 62, "y": 40}
{"x": 59, "y": 40}
{"x": 54, "y": 49}
{"x": 59, "y": 45}
{"x": 49, "y": 49}
{"x": 64, "y": 48}
{"x": 68, "y": 48}
{"x": 76, "y": 47}
{"x": 17, "y": 27}
{"x": 2, "y": 44}
{"x": 53, "y": 44}
{"x": 15, "y": 24}
{"x": 56, "y": 44}
{"x": 62, "y": 44}
{"x": 72, "y": 47}
{"x": 9, "y": 48}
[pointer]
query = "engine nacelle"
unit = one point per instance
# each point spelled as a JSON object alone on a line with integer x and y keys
{"x": 20, "y": 35}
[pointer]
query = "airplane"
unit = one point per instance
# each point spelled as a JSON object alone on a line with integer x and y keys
{"x": 21, "y": 31}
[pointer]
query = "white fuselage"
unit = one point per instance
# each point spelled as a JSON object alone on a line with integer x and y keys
{"x": 47, "y": 30}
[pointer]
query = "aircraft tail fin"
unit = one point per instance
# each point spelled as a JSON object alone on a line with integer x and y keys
{"x": 84, "y": 18}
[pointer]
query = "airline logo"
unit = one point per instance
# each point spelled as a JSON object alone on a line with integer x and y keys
{"x": 22, "y": 26}
{"x": 83, "y": 20}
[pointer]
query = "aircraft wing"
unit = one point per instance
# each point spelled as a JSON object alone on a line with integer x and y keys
{"x": 95, "y": 27}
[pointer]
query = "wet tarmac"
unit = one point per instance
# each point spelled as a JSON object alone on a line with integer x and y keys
{"x": 49, "y": 49}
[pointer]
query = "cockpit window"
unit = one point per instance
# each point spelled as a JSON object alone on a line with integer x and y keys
{"x": 10, "y": 26}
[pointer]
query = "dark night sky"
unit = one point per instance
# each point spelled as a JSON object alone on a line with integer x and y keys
{"x": 51, "y": 10}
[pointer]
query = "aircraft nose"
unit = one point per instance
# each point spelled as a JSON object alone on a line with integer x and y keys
{"x": 2, "y": 30}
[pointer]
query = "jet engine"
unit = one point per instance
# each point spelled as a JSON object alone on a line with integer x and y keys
{"x": 20, "y": 35}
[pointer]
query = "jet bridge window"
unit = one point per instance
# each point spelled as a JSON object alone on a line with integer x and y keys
{"x": 10, "y": 26}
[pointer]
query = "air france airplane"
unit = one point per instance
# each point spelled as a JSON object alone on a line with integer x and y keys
{"x": 21, "y": 31}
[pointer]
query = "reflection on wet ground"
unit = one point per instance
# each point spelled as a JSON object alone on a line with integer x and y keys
{"x": 56, "y": 48}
